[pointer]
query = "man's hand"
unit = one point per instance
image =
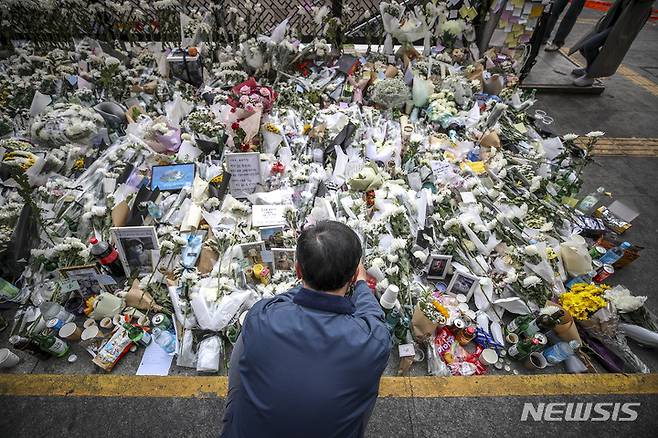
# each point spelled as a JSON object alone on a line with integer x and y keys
{"x": 361, "y": 273}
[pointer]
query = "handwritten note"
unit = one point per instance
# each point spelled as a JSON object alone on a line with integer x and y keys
{"x": 245, "y": 173}
{"x": 268, "y": 215}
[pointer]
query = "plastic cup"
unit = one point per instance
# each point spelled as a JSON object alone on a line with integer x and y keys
{"x": 89, "y": 322}
{"x": 91, "y": 333}
{"x": 389, "y": 297}
{"x": 512, "y": 338}
{"x": 8, "y": 359}
{"x": 536, "y": 361}
{"x": 70, "y": 331}
{"x": 488, "y": 357}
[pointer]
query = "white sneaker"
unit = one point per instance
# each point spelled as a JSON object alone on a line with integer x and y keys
{"x": 550, "y": 47}
{"x": 583, "y": 81}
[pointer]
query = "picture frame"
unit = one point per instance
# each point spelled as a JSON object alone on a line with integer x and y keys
{"x": 438, "y": 266}
{"x": 272, "y": 236}
{"x": 172, "y": 177}
{"x": 138, "y": 249}
{"x": 283, "y": 259}
{"x": 87, "y": 278}
{"x": 463, "y": 283}
{"x": 253, "y": 252}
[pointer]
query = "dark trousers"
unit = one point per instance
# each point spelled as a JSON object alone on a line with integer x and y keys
{"x": 591, "y": 48}
{"x": 234, "y": 385}
{"x": 567, "y": 22}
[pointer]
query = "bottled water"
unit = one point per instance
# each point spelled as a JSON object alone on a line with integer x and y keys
{"x": 165, "y": 340}
{"x": 561, "y": 351}
{"x": 614, "y": 254}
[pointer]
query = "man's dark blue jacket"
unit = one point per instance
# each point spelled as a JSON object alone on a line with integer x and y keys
{"x": 309, "y": 367}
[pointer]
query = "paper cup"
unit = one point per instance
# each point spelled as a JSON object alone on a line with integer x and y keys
{"x": 106, "y": 323}
{"x": 91, "y": 333}
{"x": 536, "y": 361}
{"x": 8, "y": 359}
{"x": 88, "y": 323}
{"x": 70, "y": 331}
{"x": 488, "y": 357}
{"x": 512, "y": 338}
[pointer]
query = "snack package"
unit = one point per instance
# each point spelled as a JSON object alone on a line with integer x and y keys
{"x": 447, "y": 347}
{"x": 113, "y": 350}
{"x": 611, "y": 221}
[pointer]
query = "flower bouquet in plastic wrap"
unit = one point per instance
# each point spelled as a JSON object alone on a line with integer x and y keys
{"x": 598, "y": 327}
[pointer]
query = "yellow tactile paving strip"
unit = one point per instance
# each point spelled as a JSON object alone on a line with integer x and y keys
{"x": 628, "y": 147}
{"x": 51, "y": 385}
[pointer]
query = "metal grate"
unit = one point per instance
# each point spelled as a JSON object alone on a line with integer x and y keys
{"x": 53, "y": 21}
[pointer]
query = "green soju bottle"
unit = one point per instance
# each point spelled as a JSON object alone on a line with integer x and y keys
{"x": 51, "y": 344}
{"x": 137, "y": 335}
{"x": 519, "y": 324}
{"x": 522, "y": 349}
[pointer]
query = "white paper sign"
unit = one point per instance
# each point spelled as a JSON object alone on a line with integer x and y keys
{"x": 268, "y": 215}
{"x": 407, "y": 350}
{"x": 468, "y": 197}
{"x": 245, "y": 173}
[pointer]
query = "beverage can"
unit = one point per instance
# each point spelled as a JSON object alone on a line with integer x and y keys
{"x": 596, "y": 265}
{"x": 161, "y": 321}
{"x": 55, "y": 324}
{"x": 597, "y": 252}
{"x": 603, "y": 273}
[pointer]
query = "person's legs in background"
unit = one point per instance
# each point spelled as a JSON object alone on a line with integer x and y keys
{"x": 558, "y": 7}
{"x": 590, "y": 51}
{"x": 568, "y": 21}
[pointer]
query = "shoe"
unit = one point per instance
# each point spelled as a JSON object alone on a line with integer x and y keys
{"x": 550, "y": 47}
{"x": 583, "y": 81}
{"x": 578, "y": 72}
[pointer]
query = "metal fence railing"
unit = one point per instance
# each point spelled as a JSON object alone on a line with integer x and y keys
{"x": 53, "y": 21}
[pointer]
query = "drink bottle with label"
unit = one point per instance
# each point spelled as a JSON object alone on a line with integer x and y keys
{"x": 28, "y": 345}
{"x": 522, "y": 349}
{"x": 519, "y": 324}
{"x": 612, "y": 255}
{"x": 561, "y": 351}
{"x": 137, "y": 335}
{"x": 165, "y": 340}
{"x": 52, "y": 344}
{"x": 543, "y": 323}
{"x": 107, "y": 256}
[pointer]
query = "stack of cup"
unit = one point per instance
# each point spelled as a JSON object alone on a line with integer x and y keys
{"x": 389, "y": 298}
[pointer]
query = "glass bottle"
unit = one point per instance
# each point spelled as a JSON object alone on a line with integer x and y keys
{"x": 52, "y": 344}
{"x": 137, "y": 335}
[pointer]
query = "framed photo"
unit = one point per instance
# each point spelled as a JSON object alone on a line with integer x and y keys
{"x": 253, "y": 252}
{"x": 437, "y": 267}
{"x": 272, "y": 236}
{"x": 138, "y": 249}
{"x": 172, "y": 177}
{"x": 463, "y": 283}
{"x": 283, "y": 259}
{"x": 422, "y": 235}
{"x": 87, "y": 278}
